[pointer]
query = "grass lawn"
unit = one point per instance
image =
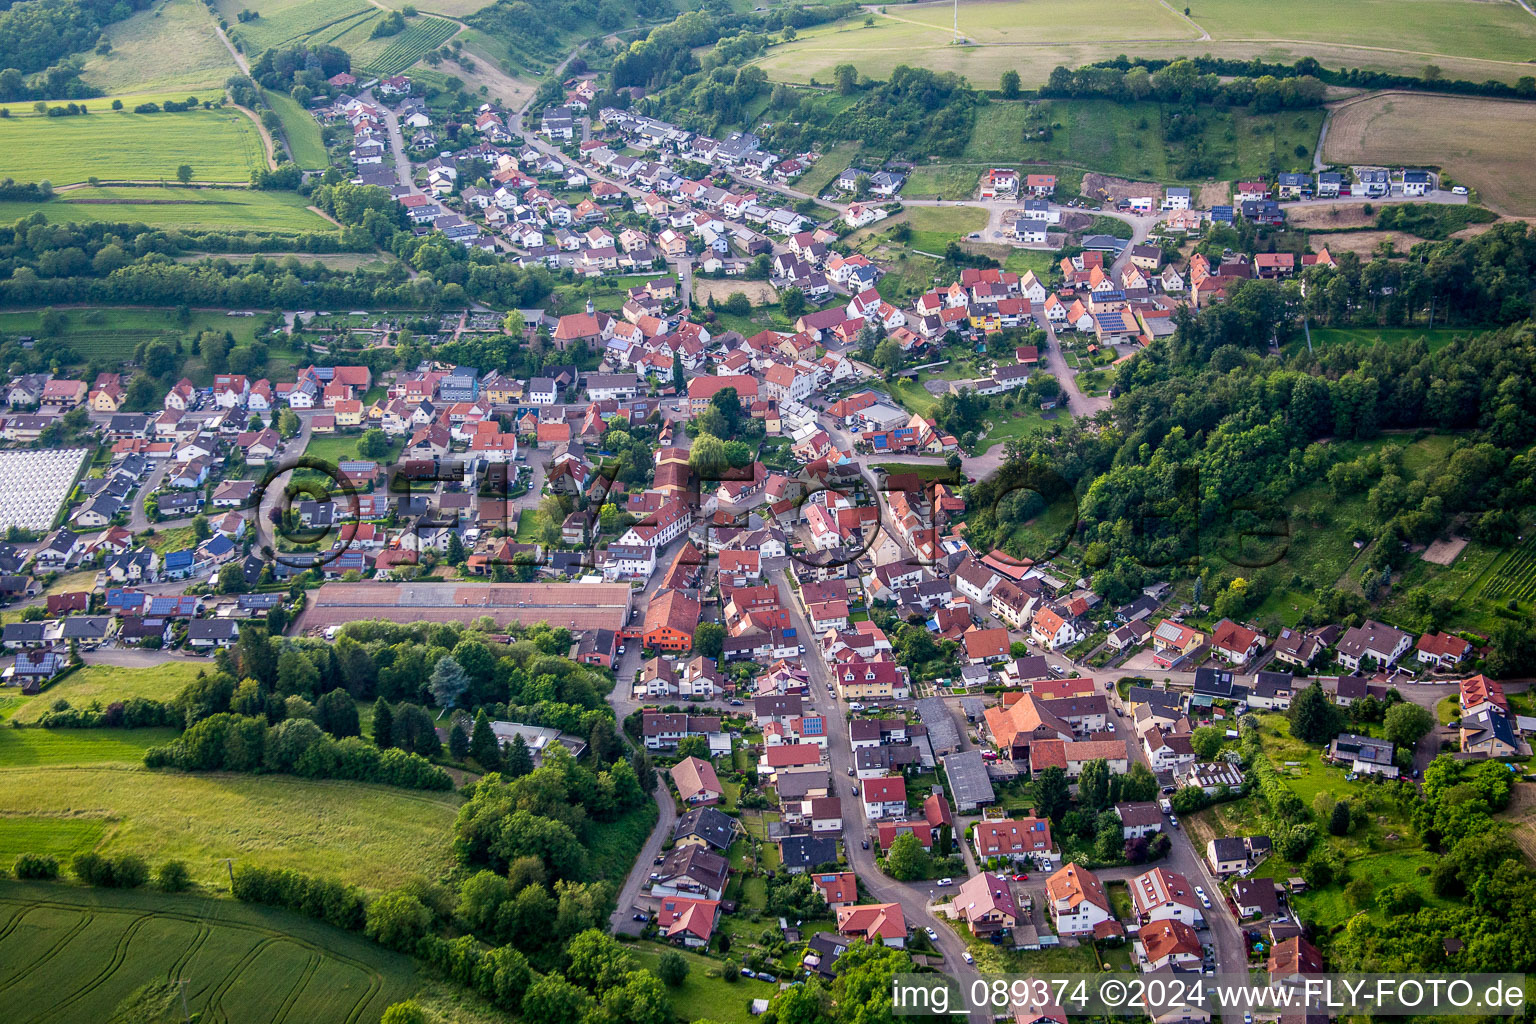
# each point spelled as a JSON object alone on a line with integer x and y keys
{"x": 942, "y": 181}
{"x": 337, "y": 448}
{"x": 53, "y": 837}
{"x": 374, "y": 836}
{"x": 169, "y": 45}
{"x": 1019, "y": 423}
{"x": 171, "y": 540}
{"x": 913, "y": 396}
{"x": 26, "y": 748}
{"x": 177, "y": 207}
{"x": 221, "y": 145}
{"x": 934, "y": 227}
{"x": 832, "y": 163}
{"x": 301, "y": 130}
{"x": 1434, "y": 337}
{"x": 612, "y": 848}
{"x": 74, "y": 953}
{"x": 1038, "y": 260}
{"x": 106, "y": 683}
{"x": 702, "y": 997}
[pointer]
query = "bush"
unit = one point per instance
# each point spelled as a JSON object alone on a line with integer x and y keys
{"x": 322, "y": 898}
{"x": 173, "y": 877}
{"x": 36, "y": 865}
{"x": 126, "y": 872}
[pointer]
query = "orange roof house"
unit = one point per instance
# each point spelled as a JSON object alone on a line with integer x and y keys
{"x": 874, "y": 922}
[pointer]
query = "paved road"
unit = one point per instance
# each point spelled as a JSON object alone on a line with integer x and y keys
{"x": 914, "y": 899}
{"x": 396, "y": 143}
{"x": 138, "y": 520}
{"x": 623, "y": 916}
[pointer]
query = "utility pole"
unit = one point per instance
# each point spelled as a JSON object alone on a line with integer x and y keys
{"x": 229, "y": 862}
{"x": 957, "y": 21}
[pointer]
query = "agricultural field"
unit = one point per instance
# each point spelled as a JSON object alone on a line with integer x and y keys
{"x": 172, "y": 45}
{"x": 113, "y": 332}
{"x": 301, "y": 130}
{"x": 373, "y": 836}
{"x": 76, "y": 954}
{"x": 1482, "y": 143}
{"x": 292, "y": 21}
{"x": 175, "y": 207}
{"x": 221, "y": 145}
{"x": 421, "y": 36}
{"x": 1034, "y": 38}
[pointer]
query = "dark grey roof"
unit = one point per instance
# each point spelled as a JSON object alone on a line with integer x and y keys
{"x": 714, "y": 827}
{"x": 808, "y": 851}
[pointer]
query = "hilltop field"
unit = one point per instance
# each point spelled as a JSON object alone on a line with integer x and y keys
{"x": 1465, "y": 38}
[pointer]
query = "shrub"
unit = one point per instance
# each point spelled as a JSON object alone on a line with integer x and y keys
{"x": 36, "y": 865}
{"x": 173, "y": 877}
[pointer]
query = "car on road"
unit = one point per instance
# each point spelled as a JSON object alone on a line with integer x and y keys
{"x": 865, "y": 844}
{"x": 1022, "y": 876}
{"x": 1173, "y": 819}
{"x": 854, "y": 705}
{"x": 1205, "y": 900}
{"x": 850, "y": 773}
{"x": 642, "y": 917}
{"x": 854, "y": 790}
{"x": 931, "y": 934}
{"x": 1459, "y": 190}
{"x": 966, "y": 956}
{"x": 737, "y": 703}
{"x": 1247, "y": 1018}
{"x": 946, "y": 880}
{"x": 621, "y": 649}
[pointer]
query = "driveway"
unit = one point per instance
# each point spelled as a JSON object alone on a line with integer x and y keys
{"x": 629, "y": 895}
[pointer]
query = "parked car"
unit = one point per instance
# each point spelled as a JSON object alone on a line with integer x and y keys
{"x": 931, "y": 934}
{"x": 966, "y": 956}
{"x": 946, "y": 880}
{"x": 642, "y": 917}
{"x": 747, "y": 972}
{"x": 1173, "y": 820}
{"x": 1205, "y": 900}
{"x": 865, "y": 844}
{"x": 1022, "y": 876}
{"x": 1459, "y": 190}
{"x": 854, "y": 790}
{"x": 767, "y": 977}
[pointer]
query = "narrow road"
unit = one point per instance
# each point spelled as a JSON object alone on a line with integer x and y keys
{"x": 138, "y": 520}
{"x": 623, "y": 920}
{"x": 396, "y": 144}
{"x": 914, "y": 898}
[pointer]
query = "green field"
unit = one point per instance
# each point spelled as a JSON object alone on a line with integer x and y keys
{"x": 176, "y": 207}
{"x": 1466, "y": 39}
{"x": 220, "y": 145}
{"x": 1131, "y": 140}
{"x": 111, "y": 332}
{"x": 333, "y": 448}
{"x": 170, "y": 45}
{"x": 421, "y": 35}
{"x": 72, "y": 954}
{"x": 832, "y": 163}
{"x": 374, "y": 836}
{"x": 26, "y": 748}
{"x": 291, "y": 21}
{"x": 54, "y": 837}
{"x": 300, "y": 129}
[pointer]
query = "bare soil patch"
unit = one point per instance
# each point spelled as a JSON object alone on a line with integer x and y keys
{"x": 1363, "y": 242}
{"x": 1331, "y": 215}
{"x": 1444, "y": 552}
{"x": 1215, "y": 193}
{"x": 1102, "y": 186}
{"x": 761, "y": 293}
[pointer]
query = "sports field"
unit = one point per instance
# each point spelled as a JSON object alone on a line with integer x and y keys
{"x": 1471, "y": 39}
{"x": 1482, "y": 143}
{"x": 170, "y": 45}
{"x": 74, "y": 954}
{"x": 176, "y": 207}
{"x": 374, "y": 836}
{"x": 220, "y": 145}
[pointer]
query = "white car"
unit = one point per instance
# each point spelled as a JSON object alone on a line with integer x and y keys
{"x": 946, "y": 881}
{"x": 854, "y": 705}
{"x": 1459, "y": 190}
{"x": 1204, "y": 899}
{"x": 931, "y": 934}
{"x": 966, "y": 956}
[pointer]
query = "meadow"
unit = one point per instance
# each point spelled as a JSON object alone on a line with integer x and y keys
{"x": 1130, "y": 140}
{"x": 221, "y": 145}
{"x": 1467, "y": 39}
{"x": 170, "y": 45}
{"x": 73, "y": 954}
{"x": 291, "y": 21}
{"x": 373, "y": 836}
{"x": 1483, "y": 143}
{"x": 107, "y": 683}
{"x": 112, "y": 332}
{"x": 175, "y": 207}
{"x": 302, "y": 131}
{"x": 27, "y": 748}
